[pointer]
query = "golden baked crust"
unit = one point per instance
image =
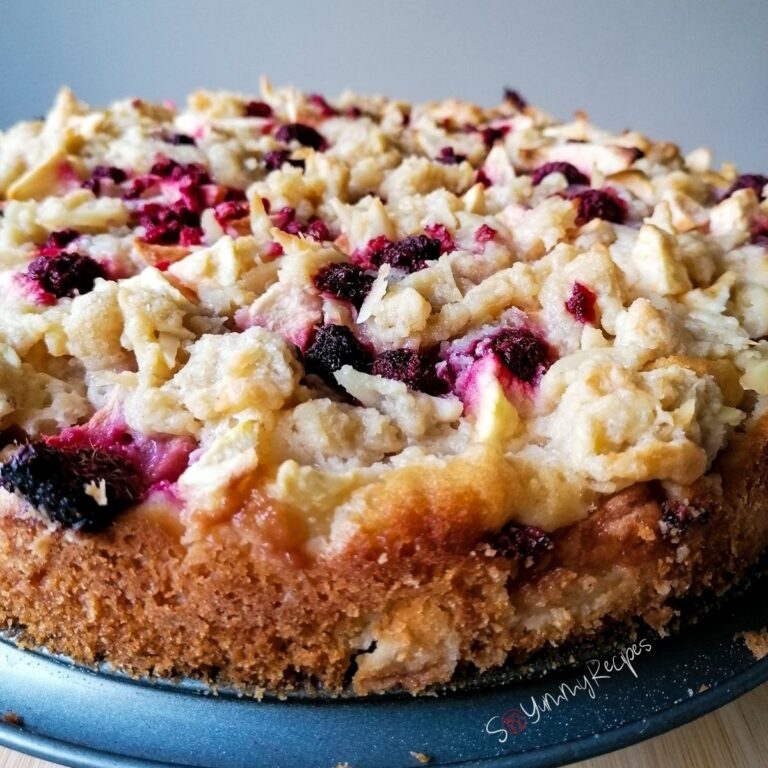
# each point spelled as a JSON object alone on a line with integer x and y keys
{"x": 136, "y": 596}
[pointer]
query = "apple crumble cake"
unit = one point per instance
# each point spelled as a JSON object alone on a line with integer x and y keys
{"x": 300, "y": 393}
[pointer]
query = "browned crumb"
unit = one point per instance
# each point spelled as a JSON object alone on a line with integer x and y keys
{"x": 13, "y": 718}
{"x": 703, "y": 687}
{"x": 421, "y": 757}
{"x": 757, "y": 642}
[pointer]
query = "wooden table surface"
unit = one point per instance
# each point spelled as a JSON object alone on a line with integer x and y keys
{"x": 735, "y": 736}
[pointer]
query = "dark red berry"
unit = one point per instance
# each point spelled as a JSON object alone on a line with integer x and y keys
{"x": 135, "y": 188}
{"x": 164, "y": 224}
{"x": 484, "y": 234}
{"x": 753, "y": 181}
{"x": 286, "y": 220}
{"x": 676, "y": 518}
{"x": 319, "y": 102}
{"x": 346, "y": 282}
{"x": 483, "y": 178}
{"x": 305, "y": 135}
{"x": 519, "y": 542}
{"x": 103, "y": 173}
{"x": 514, "y": 98}
{"x": 179, "y": 139}
{"x": 317, "y": 229}
{"x": 492, "y": 134}
{"x": 165, "y": 168}
{"x": 57, "y": 241}
{"x": 332, "y": 347}
{"x": 54, "y": 482}
{"x": 448, "y": 156}
{"x": 440, "y": 233}
{"x": 599, "y": 204}
{"x": 258, "y": 109}
{"x": 581, "y": 303}
{"x": 412, "y": 368}
{"x": 278, "y": 157}
{"x": 65, "y": 274}
{"x": 521, "y": 352}
{"x": 118, "y": 175}
{"x": 366, "y": 256}
{"x": 193, "y": 173}
{"x": 572, "y": 174}
{"x": 760, "y": 230}
{"x": 231, "y": 210}
{"x": 190, "y": 236}
{"x": 410, "y": 254}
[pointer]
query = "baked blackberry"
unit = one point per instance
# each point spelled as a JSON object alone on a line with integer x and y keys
{"x": 82, "y": 488}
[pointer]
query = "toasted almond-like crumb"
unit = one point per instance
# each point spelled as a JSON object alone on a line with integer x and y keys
{"x": 757, "y": 642}
{"x": 421, "y": 757}
{"x": 97, "y": 491}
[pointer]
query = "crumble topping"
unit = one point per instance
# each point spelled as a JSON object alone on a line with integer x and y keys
{"x": 322, "y": 297}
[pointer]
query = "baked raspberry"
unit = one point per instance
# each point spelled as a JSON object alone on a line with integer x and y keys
{"x": 483, "y": 178}
{"x": 440, "y": 233}
{"x": 57, "y": 241}
{"x": 413, "y": 368}
{"x": 305, "y": 135}
{"x": 514, "y": 98}
{"x": 257, "y": 109}
{"x": 753, "y": 181}
{"x": 55, "y": 482}
{"x": 102, "y": 173}
{"x": 676, "y": 518}
{"x": 484, "y": 234}
{"x": 276, "y": 158}
{"x": 521, "y": 352}
{"x": 170, "y": 224}
{"x": 572, "y": 174}
{"x": 410, "y": 254}
{"x": 65, "y": 274}
{"x": 519, "y": 542}
{"x": 332, "y": 347}
{"x": 319, "y": 102}
{"x": 346, "y": 282}
{"x": 135, "y": 188}
{"x": 190, "y": 236}
{"x": 599, "y": 204}
{"x": 194, "y": 173}
{"x": 317, "y": 229}
{"x": 286, "y": 220}
{"x": 231, "y": 210}
{"x": 448, "y": 156}
{"x": 366, "y": 257}
{"x": 581, "y": 303}
{"x": 491, "y": 134}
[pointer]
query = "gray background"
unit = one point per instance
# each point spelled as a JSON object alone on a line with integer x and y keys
{"x": 693, "y": 72}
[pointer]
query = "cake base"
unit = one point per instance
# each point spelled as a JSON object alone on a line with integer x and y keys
{"x": 223, "y": 612}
